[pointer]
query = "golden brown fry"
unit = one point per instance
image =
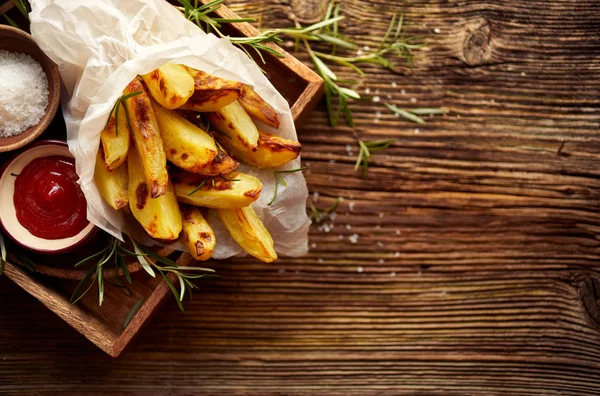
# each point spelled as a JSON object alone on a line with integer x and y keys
{"x": 216, "y": 192}
{"x": 160, "y": 216}
{"x": 186, "y": 145}
{"x": 170, "y": 85}
{"x": 112, "y": 185}
{"x": 220, "y": 165}
{"x": 147, "y": 139}
{"x": 210, "y": 92}
{"x": 249, "y": 232}
{"x": 257, "y": 108}
{"x": 273, "y": 151}
{"x": 115, "y": 145}
{"x": 236, "y": 125}
{"x": 197, "y": 234}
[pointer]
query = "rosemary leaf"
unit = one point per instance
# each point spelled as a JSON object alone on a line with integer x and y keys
{"x": 170, "y": 284}
{"x": 87, "y": 278}
{"x": 11, "y": 22}
{"x": 406, "y": 114}
{"x": 142, "y": 260}
{"x": 136, "y": 307}
{"x": 2, "y": 254}
{"x": 429, "y": 111}
{"x": 181, "y": 287}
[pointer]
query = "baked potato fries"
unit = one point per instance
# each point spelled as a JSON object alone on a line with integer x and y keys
{"x": 180, "y": 138}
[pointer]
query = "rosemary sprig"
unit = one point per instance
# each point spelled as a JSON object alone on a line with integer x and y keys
{"x": 23, "y": 7}
{"x": 200, "y": 15}
{"x": 366, "y": 150}
{"x": 317, "y": 216}
{"x": 136, "y": 307}
{"x": 413, "y": 114}
{"x": 150, "y": 261}
{"x": 116, "y": 108}
{"x": 280, "y": 180}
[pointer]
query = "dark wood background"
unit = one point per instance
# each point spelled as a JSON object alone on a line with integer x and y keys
{"x": 477, "y": 235}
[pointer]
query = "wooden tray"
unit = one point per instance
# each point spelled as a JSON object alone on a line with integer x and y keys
{"x": 104, "y": 326}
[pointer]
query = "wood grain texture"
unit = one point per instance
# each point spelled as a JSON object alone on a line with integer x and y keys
{"x": 477, "y": 236}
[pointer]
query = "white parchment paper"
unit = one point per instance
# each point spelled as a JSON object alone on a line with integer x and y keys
{"x": 101, "y": 45}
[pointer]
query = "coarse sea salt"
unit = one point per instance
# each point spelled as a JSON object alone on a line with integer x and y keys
{"x": 24, "y": 88}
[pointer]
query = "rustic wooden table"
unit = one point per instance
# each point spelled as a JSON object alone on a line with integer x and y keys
{"x": 475, "y": 269}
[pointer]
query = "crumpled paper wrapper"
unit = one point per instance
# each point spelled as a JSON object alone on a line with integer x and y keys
{"x": 101, "y": 45}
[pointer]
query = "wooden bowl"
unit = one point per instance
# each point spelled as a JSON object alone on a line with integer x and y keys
{"x": 15, "y": 40}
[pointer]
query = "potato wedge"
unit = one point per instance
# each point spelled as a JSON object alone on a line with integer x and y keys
{"x": 210, "y": 92}
{"x": 197, "y": 234}
{"x": 249, "y": 232}
{"x": 160, "y": 216}
{"x": 115, "y": 145}
{"x": 170, "y": 85}
{"x": 273, "y": 151}
{"x": 147, "y": 139}
{"x": 112, "y": 185}
{"x": 186, "y": 145}
{"x": 237, "y": 126}
{"x": 223, "y": 194}
{"x": 257, "y": 108}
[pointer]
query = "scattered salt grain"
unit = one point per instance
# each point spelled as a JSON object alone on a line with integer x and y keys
{"x": 353, "y": 238}
{"x": 360, "y": 52}
{"x": 397, "y": 115}
{"x": 403, "y": 91}
{"x": 332, "y": 161}
{"x": 348, "y": 148}
{"x": 367, "y": 91}
{"x": 377, "y": 91}
{"x": 348, "y": 227}
{"x": 24, "y": 88}
{"x": 417, "y": 131}
{"x": 389, "y": 96}
{"x": 366, "y": 48}
{"x": 351, "y": 206}
{"x": 394, "y": 85}
{"x": 379, "y": 244}
{"x": 315, "y": 197}
{"x": 437, "y": 30}
{"x": 397, "y": 254}
{"x": 380, "y": 215}
{"x": 281, "y": 271}
{"x": 320, "y": 261}
{"x": 523, "y": 74}
{"x": 340, "y": 237}
{"x": 376, "y": 99}
{"x": 377, "y": 227}
{"x": 413, "y": 100}
{"x": 313, "y": 245}
{"x": 359, "y": 269}
{"x": 392, "y": 274}
{"x": 332, "y": 216}
{"x": 381, "y": 261}
{"x": 398, "y": 232}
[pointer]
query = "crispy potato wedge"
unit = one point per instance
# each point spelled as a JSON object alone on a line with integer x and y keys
{"x": 112, "y": 185}
{"x": 257, "y": 108}
{"x": 210, "y": 92}
{"x": 220, "y": 165}
{"x": 160, "y": 216}
{"x": 249, "y": 232}
{"x": 237, "y": 126}
{"x": 197, "y": 234}
{"x": 147, "y": 139}
{"x": 223, "y": 194}
{"x": 170, "y": 85}
{"x": 115, "y": 145}
{"x": 273, "y": 151}
{"x": 186, "y": 145}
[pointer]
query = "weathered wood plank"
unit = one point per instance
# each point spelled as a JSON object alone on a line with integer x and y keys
{"x": 475, "y": 268}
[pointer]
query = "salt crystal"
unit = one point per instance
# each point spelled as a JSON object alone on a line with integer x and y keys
{"x": 281, "y": 271}
{"x": 351, "y": 206}
{"x": 326, "y": 227}
{"x": 366, "y": 48}
{"x": 359, "y": 269}
{"x": 378, "y": 114}
{"x": 437, "y": 30}
{"x": 24, "y": 88}
{"x": 417, "y": 131}
{"x": 398, "y": 232}
{"x": 396, "y": 115}
{"x": 380, "y": 215}
{"x": 394, "y": 85}
{"x": 348, "y": 148}
{"x": 367, "y": 91}
{"x": 413, "y": 100}
{"x": 392, "y": 273}
{"x": 340, "y": 237}
{"x": 377, "y": 91}
{"x": 376, "y": 120}
{"x": 313, "y": 245}
{"x": 332, "y": 216}
{"x": 332, "y": 161}
{"x": 348, "y": 227}
{"x": 376, "y": 99}
{"x": 381, "y": 261}
{"x": 353, "y": 238}
{"x": 320, "y": 261}
{"x": 315, "y": 197}
{"x": 389, "y": 96}
{"x": 397, "y": 254}
{"x": 359, "y": 52}
{"x": 377, "y": 227}
{"x": 380, "y": 244}
{"x": 523, "y": 74}
{"x": 403, "y": 91}
{"x": 307, "y": 164}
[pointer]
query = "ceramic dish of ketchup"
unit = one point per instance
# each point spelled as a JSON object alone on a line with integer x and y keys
{"x": 42, "y": 208}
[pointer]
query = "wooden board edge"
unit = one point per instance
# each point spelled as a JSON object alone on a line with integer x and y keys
{"x": 307, "y": 101}
{"x": 6, "y": 6}
{"x": 87, "y": 325}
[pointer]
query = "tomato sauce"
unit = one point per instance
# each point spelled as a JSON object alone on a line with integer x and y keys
{"x": 48, "y": 200}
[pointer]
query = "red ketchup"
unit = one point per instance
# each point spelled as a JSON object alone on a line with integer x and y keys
{"x": 48, "y": 200}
